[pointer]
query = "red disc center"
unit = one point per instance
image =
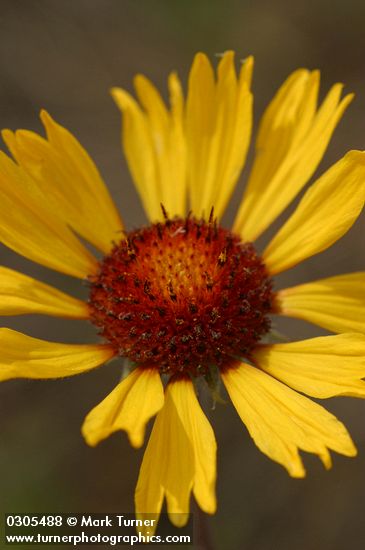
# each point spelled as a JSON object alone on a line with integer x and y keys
{"x": 182, "y": 296}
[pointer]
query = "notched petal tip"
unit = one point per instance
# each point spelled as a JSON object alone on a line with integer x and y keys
{"x": 350, "y": 449}
{"x": 283, "y": 422}
{"x": 127, "y": 408}
{"x": 7, "y": 135}
{"x": 140, "y": 80}
{"x": 349, "y": 98}
{"x": 249, "y": 60}
{"x": 179, "y": 520}
{"x": 47, "y": 120}
{"x": 201, "y": 57}
{"x": 296, "y": 468}
{"x": 122, "y": 98}
{"x": 355, "y": 156}
{"x": 246, "y": 71}
{"x": 227, "y": 56}
{"x": 201, "y": 66}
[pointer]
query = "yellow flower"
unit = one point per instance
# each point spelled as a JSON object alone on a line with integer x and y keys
{"x": 183, "y": 297}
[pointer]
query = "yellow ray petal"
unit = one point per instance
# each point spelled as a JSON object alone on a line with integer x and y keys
{"x": 138, "y": 150}
{"x": 292, "y": 139}
{"x": 326, "y": 212}
{"x": 154, "y": 146}
{"x": 24, "y": 357}
{"x": 35, "y": 231}
{"x": 175, "y": 188}
{"x": 282, "y": 422}
{"x": 201, "y": 437}
{"x": 336, "y": 303}
{"x": 218, "y": 130}
{"x": 235, "y": 149}
{"x": 321, "y": 367}
{"x": 180, "y": 457}
{"x": 95, "y": 197}
{"x": 21, "y": 294}
{"x": 128, "y": 407}
{"x": 69, "y": 180}
{"x": 199, "y": 124}
{"x": 166, "y": 133}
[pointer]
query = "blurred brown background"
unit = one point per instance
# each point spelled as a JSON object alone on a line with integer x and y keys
{"x": 64, "y": 55}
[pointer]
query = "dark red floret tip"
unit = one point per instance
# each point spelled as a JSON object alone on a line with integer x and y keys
{"x": 182, "y": 296}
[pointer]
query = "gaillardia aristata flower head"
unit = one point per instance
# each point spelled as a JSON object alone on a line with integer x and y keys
{"x": 184, "y": 298}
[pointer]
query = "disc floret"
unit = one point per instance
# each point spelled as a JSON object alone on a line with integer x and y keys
{"x": 182, "y": 296}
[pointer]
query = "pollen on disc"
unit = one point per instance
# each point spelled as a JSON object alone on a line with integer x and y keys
{"x": 182, "y": 296}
